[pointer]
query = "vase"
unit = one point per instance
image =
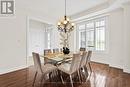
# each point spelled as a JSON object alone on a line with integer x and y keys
{"x": 66, "y": 50}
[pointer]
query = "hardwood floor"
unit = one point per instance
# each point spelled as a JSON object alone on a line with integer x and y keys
{"x": 102, "y": 76}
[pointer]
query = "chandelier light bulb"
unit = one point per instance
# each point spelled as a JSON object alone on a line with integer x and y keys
{"x": 65, "y": 22}
{"x": 59, "y": 23}
{"x": 72, "y": 24}
{"x": 68, "y": 19}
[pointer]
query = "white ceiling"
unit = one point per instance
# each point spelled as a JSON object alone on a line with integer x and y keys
{"x": 55, "y": 8}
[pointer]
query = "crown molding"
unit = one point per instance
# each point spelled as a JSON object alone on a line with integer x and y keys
{"x": 101, "y": 9}
{"x": 91, "y": 10}
{"x": 126, "y": 3}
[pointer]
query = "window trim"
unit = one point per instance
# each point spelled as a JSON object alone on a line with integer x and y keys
{"x": 106, "y": 30}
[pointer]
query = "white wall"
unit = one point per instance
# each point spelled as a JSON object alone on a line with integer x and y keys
{"x": 36, "y": 37}
{"x": 55, "y": 38}
{"x": 12, "y": 42}
{"x": 117, "y": 53}
{"x": 13, "y": 38}
{"x": 126, "y": 29}
{"x": 114, "y": 34}
{"x": 118, "y": 42}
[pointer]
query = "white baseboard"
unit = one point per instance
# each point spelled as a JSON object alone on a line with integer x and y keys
{"x": 12, "y": 69}
{"x": 127, "y": 70}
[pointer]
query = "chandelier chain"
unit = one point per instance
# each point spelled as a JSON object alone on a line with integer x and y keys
{"x": 65, "y": 7}
{"x": 65, "y": 25}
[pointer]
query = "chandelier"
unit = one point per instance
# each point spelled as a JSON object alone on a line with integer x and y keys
{"x": 65, "y": 25}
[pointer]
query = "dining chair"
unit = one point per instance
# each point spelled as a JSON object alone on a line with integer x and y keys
{"x": 47, "y": 51}
{"x": 72, "y": 68}
{"x": 41, "y": 69}
{"x": 88, "y": 62}
{"x": 82, "y": 49}
{"x": 83, "y": 59}
{"x": 56, "y": 50}
{"x": 83, "y": 64}
{"x": 61, "y": 50}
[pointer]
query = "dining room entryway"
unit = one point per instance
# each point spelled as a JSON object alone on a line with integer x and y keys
{"x": 39, "y": 36}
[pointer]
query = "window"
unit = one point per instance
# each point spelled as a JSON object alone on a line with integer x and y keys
{"x": 82, "y": 36}
{"x": 49, "y": 40}
{"x": 48, "y": 35}
{"x": 92, "y": 34}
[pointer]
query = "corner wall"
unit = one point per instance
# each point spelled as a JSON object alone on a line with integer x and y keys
{"x": 12, "y": 42}
{"x": 126, "y": 29}
{"x": 118, "y": 39}
{"x": 13, "y": 38}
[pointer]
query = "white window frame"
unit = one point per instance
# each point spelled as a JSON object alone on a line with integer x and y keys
{"x": 106, "y": 30}
{"x": 48, "y": 40}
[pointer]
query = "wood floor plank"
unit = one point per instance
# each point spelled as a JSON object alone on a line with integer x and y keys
{"x": 102, "y": 76}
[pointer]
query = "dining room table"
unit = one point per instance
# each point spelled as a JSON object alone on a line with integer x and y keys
{"x": 57, "y": 58}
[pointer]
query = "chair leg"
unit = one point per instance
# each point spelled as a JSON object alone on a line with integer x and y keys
{"x": 90, "y": 67}
{"x": 61, "y": 77}
{"x": 86, "y": 72}
{"x": 42, "y": 77}
{"x": 71, "y": 81}
{"x": 79, "y": 76}
{"x": 50, "y": 78}
{"x": 34, "y": 79}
